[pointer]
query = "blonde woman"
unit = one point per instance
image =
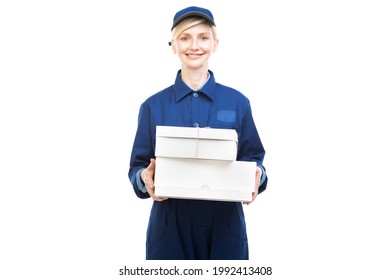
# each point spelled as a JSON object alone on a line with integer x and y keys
{"x": 183, "y": 228}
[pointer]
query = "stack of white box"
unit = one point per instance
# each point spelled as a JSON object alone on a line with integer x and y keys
{"x": 200, "y": 163}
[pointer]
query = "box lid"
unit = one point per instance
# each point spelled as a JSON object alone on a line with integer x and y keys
{"x": 197, "y": 133}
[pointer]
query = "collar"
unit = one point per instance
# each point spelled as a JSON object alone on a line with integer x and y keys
{"x": 181, "y": 89}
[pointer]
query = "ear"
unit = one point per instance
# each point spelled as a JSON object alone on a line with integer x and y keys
{"x": 216, "y": 41}
{"x": 173, "y": 47}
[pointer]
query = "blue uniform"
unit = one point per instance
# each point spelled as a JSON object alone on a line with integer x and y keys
{"x": 195, "y": 229}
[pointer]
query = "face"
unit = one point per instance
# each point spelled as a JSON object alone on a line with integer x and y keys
{"x": 195, "y": 45}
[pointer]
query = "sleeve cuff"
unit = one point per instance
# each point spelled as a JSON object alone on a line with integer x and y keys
{"x": 263, "y": 175}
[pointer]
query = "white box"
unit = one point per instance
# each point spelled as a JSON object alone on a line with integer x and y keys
{"x": 205, "y": 179}
{"x": 200, "y": 143}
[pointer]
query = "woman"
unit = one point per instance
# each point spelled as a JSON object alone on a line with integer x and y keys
{"x": 194, "y": 229}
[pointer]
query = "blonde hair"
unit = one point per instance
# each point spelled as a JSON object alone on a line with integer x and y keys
{"x": 190, "y": 22}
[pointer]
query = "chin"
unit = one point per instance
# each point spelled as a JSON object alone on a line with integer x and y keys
{"x": 195, "y": 66}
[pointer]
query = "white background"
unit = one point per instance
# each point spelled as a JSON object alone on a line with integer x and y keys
{"x": 72, "y": 77}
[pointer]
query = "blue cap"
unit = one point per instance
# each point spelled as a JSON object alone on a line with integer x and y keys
{"x": 192, "y": 11}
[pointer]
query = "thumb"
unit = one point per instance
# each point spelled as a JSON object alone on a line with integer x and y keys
{"x": 152, "y": 165}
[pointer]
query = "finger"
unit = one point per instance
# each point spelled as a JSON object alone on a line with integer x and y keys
{"x": 157, "y": 198}
{"x": 150, "y": 189}
{"x": 150, "y": 173}
{"x": 151, "y": 182}
{"x": 258, "y": 176}
{"x": 254, "y": 195}
{"x": 152, "y": 165}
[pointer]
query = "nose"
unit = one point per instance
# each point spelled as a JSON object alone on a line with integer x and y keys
{"x": 194, "y": 44}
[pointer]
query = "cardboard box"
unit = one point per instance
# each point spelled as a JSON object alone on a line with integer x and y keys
{"x": 205, "y": 179}
{"x": 200, "y": 143}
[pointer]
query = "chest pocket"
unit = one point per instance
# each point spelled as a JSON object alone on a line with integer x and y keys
{"x": 224, "y": 119}
{"x": 227, "y": 116}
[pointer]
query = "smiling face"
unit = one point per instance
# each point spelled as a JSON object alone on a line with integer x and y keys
{"x": 194, "y": 46}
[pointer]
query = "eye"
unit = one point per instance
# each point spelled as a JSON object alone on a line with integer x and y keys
{"x": 204, "y": 38}
{"x": 184, "y": 38}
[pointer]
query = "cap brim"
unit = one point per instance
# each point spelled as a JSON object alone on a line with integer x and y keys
{"x": 190, "y": 14}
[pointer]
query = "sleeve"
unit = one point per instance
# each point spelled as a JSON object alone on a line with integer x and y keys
{"x": 250, "y": 147}
{"x": 142, "y": 151}
{"x": 263, "y": 180}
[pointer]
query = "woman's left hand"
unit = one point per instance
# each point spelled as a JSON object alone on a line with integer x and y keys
{"x": 257, "y": 182}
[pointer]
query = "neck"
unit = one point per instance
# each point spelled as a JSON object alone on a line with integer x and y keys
{"x": 194, "y": 78}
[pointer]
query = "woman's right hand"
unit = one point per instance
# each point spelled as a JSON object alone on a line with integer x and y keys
{"x": 147, "y": 177}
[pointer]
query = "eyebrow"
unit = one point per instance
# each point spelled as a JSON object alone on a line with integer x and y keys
{"x": 200, "y": 34}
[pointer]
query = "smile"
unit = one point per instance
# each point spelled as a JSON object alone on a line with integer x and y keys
{"x": 194, "y": 55}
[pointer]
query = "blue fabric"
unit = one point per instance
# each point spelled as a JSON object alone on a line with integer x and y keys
{"x": 263, "y": 175}
{"x": 139, "y": 183}
{"x": 192, "y": 12}
{"x": 188, "y": 229}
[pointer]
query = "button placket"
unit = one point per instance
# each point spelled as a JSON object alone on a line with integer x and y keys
{"x": 196, "y": 105}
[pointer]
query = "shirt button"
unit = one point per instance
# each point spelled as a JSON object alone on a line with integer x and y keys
{"x": 195, "y": 95}
{"x": 196, "y": 124}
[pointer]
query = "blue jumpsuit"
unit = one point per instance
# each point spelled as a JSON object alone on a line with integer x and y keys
{"x": 195, "y": 229}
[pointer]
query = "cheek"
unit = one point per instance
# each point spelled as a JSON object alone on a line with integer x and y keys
{"x": 209, "y": 47}
{"x": 180, "y": 49}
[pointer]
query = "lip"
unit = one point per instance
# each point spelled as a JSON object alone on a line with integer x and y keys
{"x": 194, "y": 55}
